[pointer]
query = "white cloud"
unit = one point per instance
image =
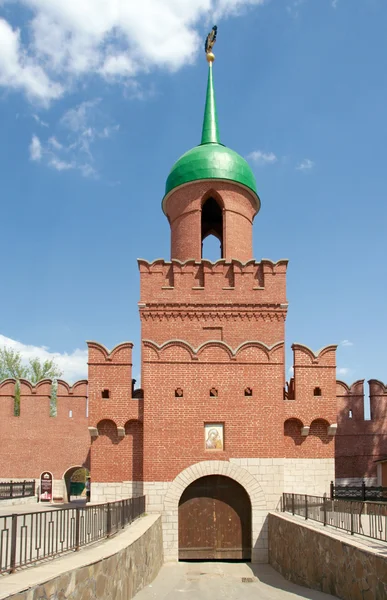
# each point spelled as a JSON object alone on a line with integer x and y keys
{"x": 118, "y": 66}
{"x": 335, "y": 3}
{"x": 346, "y": 343}
{"x": 19, "y": 70}
{"x": 60, "y": 165}
{"x": 73, "y": 365}
{"x": 35, "y": 148}
{"x": 39, "y": 121}
{"x": 343, "y": 371}
{"x": 81, "y": 127}
{"x": 305, "y": 165}
{"x": 294, "y": 8}
{"x": 54, "y": 143}
{"x": 262, "y": 158}
{"x": 63, "y": 42}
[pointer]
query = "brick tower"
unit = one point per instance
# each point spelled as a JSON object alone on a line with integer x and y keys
{"x": 215, "y": 435}
{"x": 212, "y": 340}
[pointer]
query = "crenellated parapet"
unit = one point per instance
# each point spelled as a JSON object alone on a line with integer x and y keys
{"x": 354, "y": 389}
{"x": 42, "y": 388}
{"x": 350, "y": 405}
{"x": 378, "y": 401}
{"x": 311, "y": 393}
{"x": 65, "y": 390}
{"x": 110, "y": 388}
{"x": 360, "y": 441}
{"x": 228, "y": 281}
{"x": 99, "y": 354}
{"x": 37, "y": 399}
{"x": 306, "y": 357}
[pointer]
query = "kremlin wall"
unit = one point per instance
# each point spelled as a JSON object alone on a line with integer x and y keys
{"x": 35, "y": 441}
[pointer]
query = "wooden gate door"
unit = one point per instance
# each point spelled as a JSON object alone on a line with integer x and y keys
{"x": 215, "y": 520}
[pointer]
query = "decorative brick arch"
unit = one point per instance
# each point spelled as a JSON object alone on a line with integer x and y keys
{"x": 215, "y": 467}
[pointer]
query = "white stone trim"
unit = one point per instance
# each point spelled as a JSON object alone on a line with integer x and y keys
{"x": 112, "y": 491}
{"x": 379, "y": 473}
{"x": 305, "y": 430}
{"x": 332, "y": 429}
{"x": 93, "y": 432}
{"x": 311, "y": 476}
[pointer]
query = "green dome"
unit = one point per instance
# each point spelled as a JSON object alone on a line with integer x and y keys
{"x": 211, "y": 161}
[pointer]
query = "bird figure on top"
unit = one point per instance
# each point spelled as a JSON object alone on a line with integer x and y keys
{"x": 210, "y": 40}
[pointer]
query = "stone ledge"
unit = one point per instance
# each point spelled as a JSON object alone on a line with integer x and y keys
{"x": 22, "y": 582}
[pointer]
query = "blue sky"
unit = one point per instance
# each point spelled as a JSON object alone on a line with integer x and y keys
{"x": 96, "y": 104}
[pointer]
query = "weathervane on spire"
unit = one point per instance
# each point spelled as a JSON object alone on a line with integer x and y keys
{"x": 210, "y": 41}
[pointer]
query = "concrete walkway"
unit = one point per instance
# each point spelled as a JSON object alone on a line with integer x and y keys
{"x": 215, "y": 581}
{"x": 22, "y": 509}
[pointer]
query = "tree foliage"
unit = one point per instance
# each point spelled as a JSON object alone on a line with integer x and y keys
{"x": 11, "y": 365}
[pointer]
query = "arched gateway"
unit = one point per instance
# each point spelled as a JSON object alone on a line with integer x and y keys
{"x": 215, "y": 520}
{"x": 237, "y": 478}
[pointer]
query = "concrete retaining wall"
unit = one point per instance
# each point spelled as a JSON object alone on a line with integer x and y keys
{"x": 320, "y": 560}
{"x": 112, "y": 570}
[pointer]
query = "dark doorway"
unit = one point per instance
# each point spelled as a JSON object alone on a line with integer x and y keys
{"x": 215, "y": 520}
{"x": 212, "y": 222}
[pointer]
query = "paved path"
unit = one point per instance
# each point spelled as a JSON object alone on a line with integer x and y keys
{"x": 215, "y": 581}
{"x": 22, "y": 509}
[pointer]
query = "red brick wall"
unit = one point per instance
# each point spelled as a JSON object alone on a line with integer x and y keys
{"x": 174, "y": 427}
{"x": 35, "y": 442}
{"x": 359, "y": 443}
{"x": 305, "y": 409}
{"x": 203, "y": 301}
{"x": 199, "y": 302}
{"x": 183, "y": 208}
{"x": 114, "y": 457}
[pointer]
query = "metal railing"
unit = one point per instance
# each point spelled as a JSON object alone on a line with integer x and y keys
{"x": 29, "y": 538}
{"x": 361, "y": 518}
{"x": 361, "y": 492}
{"x": 16, "y": 489}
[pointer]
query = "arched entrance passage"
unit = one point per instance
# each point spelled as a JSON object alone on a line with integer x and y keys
{"x": 215, "y": 520}
{"x": 75, "y": 479}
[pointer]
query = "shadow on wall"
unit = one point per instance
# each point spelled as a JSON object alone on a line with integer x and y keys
{"x": 118, "y": 453}
{"x": 360, "y": 442}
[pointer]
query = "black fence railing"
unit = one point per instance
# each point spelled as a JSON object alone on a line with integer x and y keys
{"x": 362, "y": 518}
{"x": 361, "y": 492}
{"x": 16, "y": 489}
{"x": 26, "y": 539}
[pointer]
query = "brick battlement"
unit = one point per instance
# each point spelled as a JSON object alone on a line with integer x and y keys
{"x": 351, "y": 402}
{"x": 35, "y": 441}
{"x": 36, "y": 398}
{"x": 360, "y": 442}
{"x": 226, "y": 300}
{"x": 223, "y": 281}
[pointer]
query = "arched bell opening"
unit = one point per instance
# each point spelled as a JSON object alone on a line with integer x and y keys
{"x": 215, "y": 520}
{"x": 212, "y": 223}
